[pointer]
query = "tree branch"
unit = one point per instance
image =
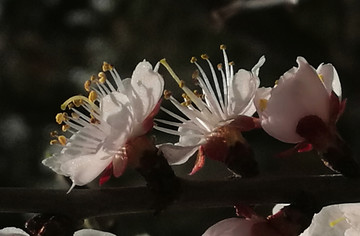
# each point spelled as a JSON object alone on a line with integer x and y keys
{"x": 83, "y": 203}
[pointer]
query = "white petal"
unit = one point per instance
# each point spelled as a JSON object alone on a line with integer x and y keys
{"x": 278, "y": 207}
{"x": 12, "y": 231}
{"x": 92, "y": 232}
{"x": 177, "y": 155}
{"x": 231, "y": 227}
{"x": 242, "y": 91}
{"x": 81, "y": 169}
{"x": 352, "y": 232}
{"x": 299, "y": 93}
{"x": 352, "y": 213}
{"x": 261, "y": 93}
{"x": 112, "y": 107}
{"x": 320, "y": 225}
{"x": 147, "y": 89}
{"x": 330, "y": 78}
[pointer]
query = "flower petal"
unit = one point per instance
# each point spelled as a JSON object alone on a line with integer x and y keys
{"x": 232, "y": 227}
{"x": 330, "y": 78}
{"x": 298, "y": 93}
{"x": 12, "y": 231}
{"x": 92, "y": 232}
{"x": 177, "y": 155}
{"x": 81, "y": 169}
{"x": 147, "y": 88}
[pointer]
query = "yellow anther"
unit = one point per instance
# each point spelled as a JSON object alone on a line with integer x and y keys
{"x": 195, "y": 74}
{"x": 92, "y": 96}
{"x": 78, "y": 102}
{"x": 231, "y": 63}
{"x": 182, "y": 83}
{"x": 54, "y": 141}
{"x": 93, "y": 78}
{"x": 62, "y": 140}
{"x": 219, "y": 66}
{"x": 87, "y": 85}
{"x": 70, "y": 106}
{"x": 222, "y": 47}
{"x": 276, "y": 82}
{"x": 61, "y": 117}
{"x": 337, "y": 221}
{"x": 75, "y": 115}
{"x": 106, "y": 66}
{"x": 321, "y": 77}
{"x": 53, "y": 134}
{"x": 93, "y": 120}
{"x": 193, "y": 60}
{"x": 186, "y": 103}
{"x": 167, "y": 94}
{"x": 199, "y": 95}
{"x": 204, "y": 56}
{"x": 263, "y": 104}
{"x": 102, "y": 77}
{"x": 65, "y": 127}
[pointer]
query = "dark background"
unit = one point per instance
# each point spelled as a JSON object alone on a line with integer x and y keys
{"x": 48, "y": 48}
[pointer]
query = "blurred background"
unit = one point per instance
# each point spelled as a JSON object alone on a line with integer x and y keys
{"x": 48, "y": 48}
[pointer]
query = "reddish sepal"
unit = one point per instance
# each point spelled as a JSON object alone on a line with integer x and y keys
{"x": 200, "y": 161}
{"x": 106, "y": 174}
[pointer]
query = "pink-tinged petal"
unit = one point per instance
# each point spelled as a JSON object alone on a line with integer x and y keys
{"x": 147, "y": 88}
{"x": 119, "y": 164}
{"x": 330, "y": 77}
{"x": 148, "y": 123}
{"x": 177, "y": 155}
{"x": 200, "y": 161}
{"x": 92, "y": 232}
{"x": 233, "y": 227}
{"x": 299, "y": 93}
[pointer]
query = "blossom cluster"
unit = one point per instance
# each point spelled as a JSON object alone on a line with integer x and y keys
{"x": 107, "y": 130}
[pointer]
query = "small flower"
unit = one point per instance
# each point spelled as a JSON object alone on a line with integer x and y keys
{"x": 334, "y": 220}
{"x": 215, "y": 117}
{"x": 104, "y": 125}
{"x": 303, "y": 108}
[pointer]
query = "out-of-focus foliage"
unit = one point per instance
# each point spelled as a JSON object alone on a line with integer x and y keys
{"x": 48, "y": 48}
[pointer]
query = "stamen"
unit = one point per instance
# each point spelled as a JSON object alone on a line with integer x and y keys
{"x": 106, "y": 66}
{"x": 204, "y": 56}
{"x": 61, "y": 117}
{"x": 65, "y": 127}
{"x": 92, "y": 96}
{"x": 263, "y": 104}
{"x": 167, "y": 94}
{"x": 335, "y": 222}
{"x": 54, "y": 141}
{"x": 53, "y": 134}
{"x": 75, "y": 115}
{"x": 192, "y": 96}
{"x": 193, "y": 60}
{"x": 222, "y": 47}
{"x": 102, "y": 77}
{"x": 87, "y": 85}
{"x": 93, "y": 78}
{"x": 62, "y": 140}
{"x": 76, "y": 100}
